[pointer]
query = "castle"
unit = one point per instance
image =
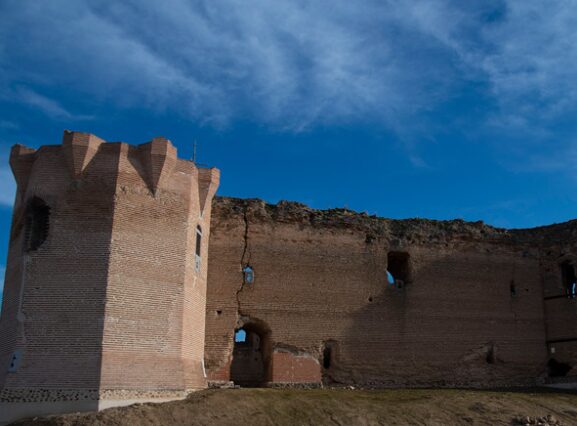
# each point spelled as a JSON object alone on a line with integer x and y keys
{"x": 127, "y": 282}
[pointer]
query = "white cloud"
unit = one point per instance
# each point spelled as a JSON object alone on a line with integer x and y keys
{"x": 525, "y": 51}
{"x": 294, "y": 63}
{"x": 289, "y": 63}
{"x": 535, "y": 54}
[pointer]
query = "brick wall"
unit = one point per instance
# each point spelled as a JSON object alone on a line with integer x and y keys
{"x": 321, "y": 277}
{"x": 112, "y": 301}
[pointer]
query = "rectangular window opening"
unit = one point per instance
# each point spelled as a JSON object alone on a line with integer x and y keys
{"x": 569, "y": 279}
{"x": 398, "y": 266}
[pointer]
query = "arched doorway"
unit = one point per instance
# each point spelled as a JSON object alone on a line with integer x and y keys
{"x": 251, "y": 357}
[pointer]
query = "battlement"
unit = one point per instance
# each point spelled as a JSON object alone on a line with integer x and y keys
{"x": 156, "y": 162}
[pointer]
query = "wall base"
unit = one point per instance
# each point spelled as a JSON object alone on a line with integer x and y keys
{"x": 53, "y": 402}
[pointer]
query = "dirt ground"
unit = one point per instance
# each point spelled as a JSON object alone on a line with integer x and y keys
{"x": 340, "y": 407}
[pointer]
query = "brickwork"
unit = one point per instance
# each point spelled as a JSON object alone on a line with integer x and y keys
{"x": 113, "y": 300}
{"x": 110, "y": 294}
{"x": 472, "y": 312}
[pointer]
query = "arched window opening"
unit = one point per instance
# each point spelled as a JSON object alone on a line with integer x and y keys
{"x": 197, "y": 261}
{"x": 37, "y": 224}
{"x": 248, "y": 274}
{"x": 398, "y": 269}
{"x": 252, "y": 355}
{"x": 569, "y": 279}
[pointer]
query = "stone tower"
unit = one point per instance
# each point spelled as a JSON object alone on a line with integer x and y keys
{"x": 105, "y": 289}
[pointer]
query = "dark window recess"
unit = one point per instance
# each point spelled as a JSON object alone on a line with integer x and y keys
{"x": 398, "y": 268}
{"x": 37, "y": 223}
{"x": 329, "y": 353}
{"x": 198, "y": 240}
{"x": 513, "y": 289}
{"x": 197, "y": 258}
{"x": 251, "y": 356}
{"x": 569, "y": 279}
{"x": 557, "y": 369}
{"x": 248, "y": 273}
{"x": 327, "y": 357}
{"x": 491, "y": 357}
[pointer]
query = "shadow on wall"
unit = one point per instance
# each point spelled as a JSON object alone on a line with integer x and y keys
{"x": 451, "y": 323}
{"x": 44, "y": 250}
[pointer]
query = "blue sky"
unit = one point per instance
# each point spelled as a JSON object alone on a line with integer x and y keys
{"x": 409, "y": 108}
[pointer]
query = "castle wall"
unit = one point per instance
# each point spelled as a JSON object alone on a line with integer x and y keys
{"x": 110, "y": 307}
{"x": 320, "y": 279}
{"x": 559, "y": 247}
{"x": 154, "y": 322}
{"x": 56, "y": 294}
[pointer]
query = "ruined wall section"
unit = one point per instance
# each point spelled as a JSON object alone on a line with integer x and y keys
{"x": 320, "y": 280}
{"x": 558, "y": 266}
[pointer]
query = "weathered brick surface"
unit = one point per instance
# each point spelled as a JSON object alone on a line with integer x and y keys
{"x": 321, "y": 276}
{"x": 111, "y": 305}
{"x": 294, "y": 368}
{"x": 112, "y": 300}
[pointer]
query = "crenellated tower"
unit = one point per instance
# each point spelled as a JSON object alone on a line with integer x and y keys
{"x": 105, "y": 289}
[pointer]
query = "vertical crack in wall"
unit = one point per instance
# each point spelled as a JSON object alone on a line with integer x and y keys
{"x": 245, "y": 252}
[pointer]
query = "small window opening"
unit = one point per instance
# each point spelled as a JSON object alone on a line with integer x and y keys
{"x": 569, "y": 280}
{"x": 198, "y": 240}
{"x": 240, "y": 336}
{"x": 248, "y": 274}
{"x": 398, "y": 269}
{"x": 37, "y": 224}
{"x": 327, "y": 357}
{"x": 491, "y": 357}
{"x": 197, "y": 262}
{"x": 513, "y": 289}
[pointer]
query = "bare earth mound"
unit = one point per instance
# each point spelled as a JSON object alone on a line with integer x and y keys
{"x": 341, "y": 407}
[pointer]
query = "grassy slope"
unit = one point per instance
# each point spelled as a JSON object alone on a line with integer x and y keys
{"x": 335, "y": 406}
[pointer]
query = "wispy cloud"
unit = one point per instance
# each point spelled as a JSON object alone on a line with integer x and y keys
{"x": 294, "y": 64}
{"x": 46, "y": 105}
{"x": 8, "y": 125}
{"x": 289, "y": 63}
